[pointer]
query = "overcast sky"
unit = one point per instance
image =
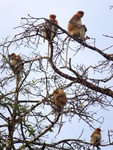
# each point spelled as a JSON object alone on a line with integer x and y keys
{"x": 98, "y": 18}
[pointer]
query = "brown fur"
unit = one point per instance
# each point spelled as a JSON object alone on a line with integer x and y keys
{"x": 59, "y": 98}
{"x": 50, "y": 30}
{"x": 96, "y": 137}
{"x": 75, "y": 27}
{"x": 15, "y": 60}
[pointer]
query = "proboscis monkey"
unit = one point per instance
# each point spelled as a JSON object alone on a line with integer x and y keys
{"x": 75, "y": 26}
{"x": 76, "y": 29}
{"x": 59, "y": 98}
{"x": 15, "y": 60}
{"x": 50, "y": 31}
{"x": 96, "y": 138}
{"x": 17, "y": 67}
{"x": 59, "y": 101}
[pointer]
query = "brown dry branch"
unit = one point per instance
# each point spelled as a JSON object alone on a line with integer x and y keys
{"x": 28, "y": 118}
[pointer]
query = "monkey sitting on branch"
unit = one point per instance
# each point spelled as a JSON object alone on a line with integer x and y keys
{"x": 76, "y": 28}
{"x": 50, "y": 30}
{"x": 16, "y": 63}
{"x": 59, "y": 98}
{"x": 96, "y": 138}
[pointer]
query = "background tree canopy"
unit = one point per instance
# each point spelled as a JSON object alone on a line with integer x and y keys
{"x": 28, "y": 118}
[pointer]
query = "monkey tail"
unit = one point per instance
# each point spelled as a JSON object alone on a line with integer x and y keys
{"x": 93, "y": 147}
{"x": 43, "y": 40}
{"x": 48, "y": 53}
{"x": 67, "y": 51}
{"x": 60, "y": 125}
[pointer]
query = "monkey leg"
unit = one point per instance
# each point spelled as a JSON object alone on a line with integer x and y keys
{"x": 82, "y": 33}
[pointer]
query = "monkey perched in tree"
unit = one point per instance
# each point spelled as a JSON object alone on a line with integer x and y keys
{"x": 15, "y": 60}
{"x": 96, "y": 138}
{"x": 50, "y": 29}
{"x": 59, "y": 98}
{"x": 76, "y": 28}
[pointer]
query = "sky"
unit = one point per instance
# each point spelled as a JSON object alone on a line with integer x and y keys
{"x": 98, "y": 19}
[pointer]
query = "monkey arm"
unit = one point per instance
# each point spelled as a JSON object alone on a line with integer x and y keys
{"x": 61, "y": 98}
{"x": 84, "y": 27}
{"x": 73, "y": 22}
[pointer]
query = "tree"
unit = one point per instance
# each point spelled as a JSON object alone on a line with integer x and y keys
{"x": 28, "y": 117}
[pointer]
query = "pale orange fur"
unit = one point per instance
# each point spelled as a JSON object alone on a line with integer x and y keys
{"x": 75, "y": 26}
{"x": 59, "y": 98}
